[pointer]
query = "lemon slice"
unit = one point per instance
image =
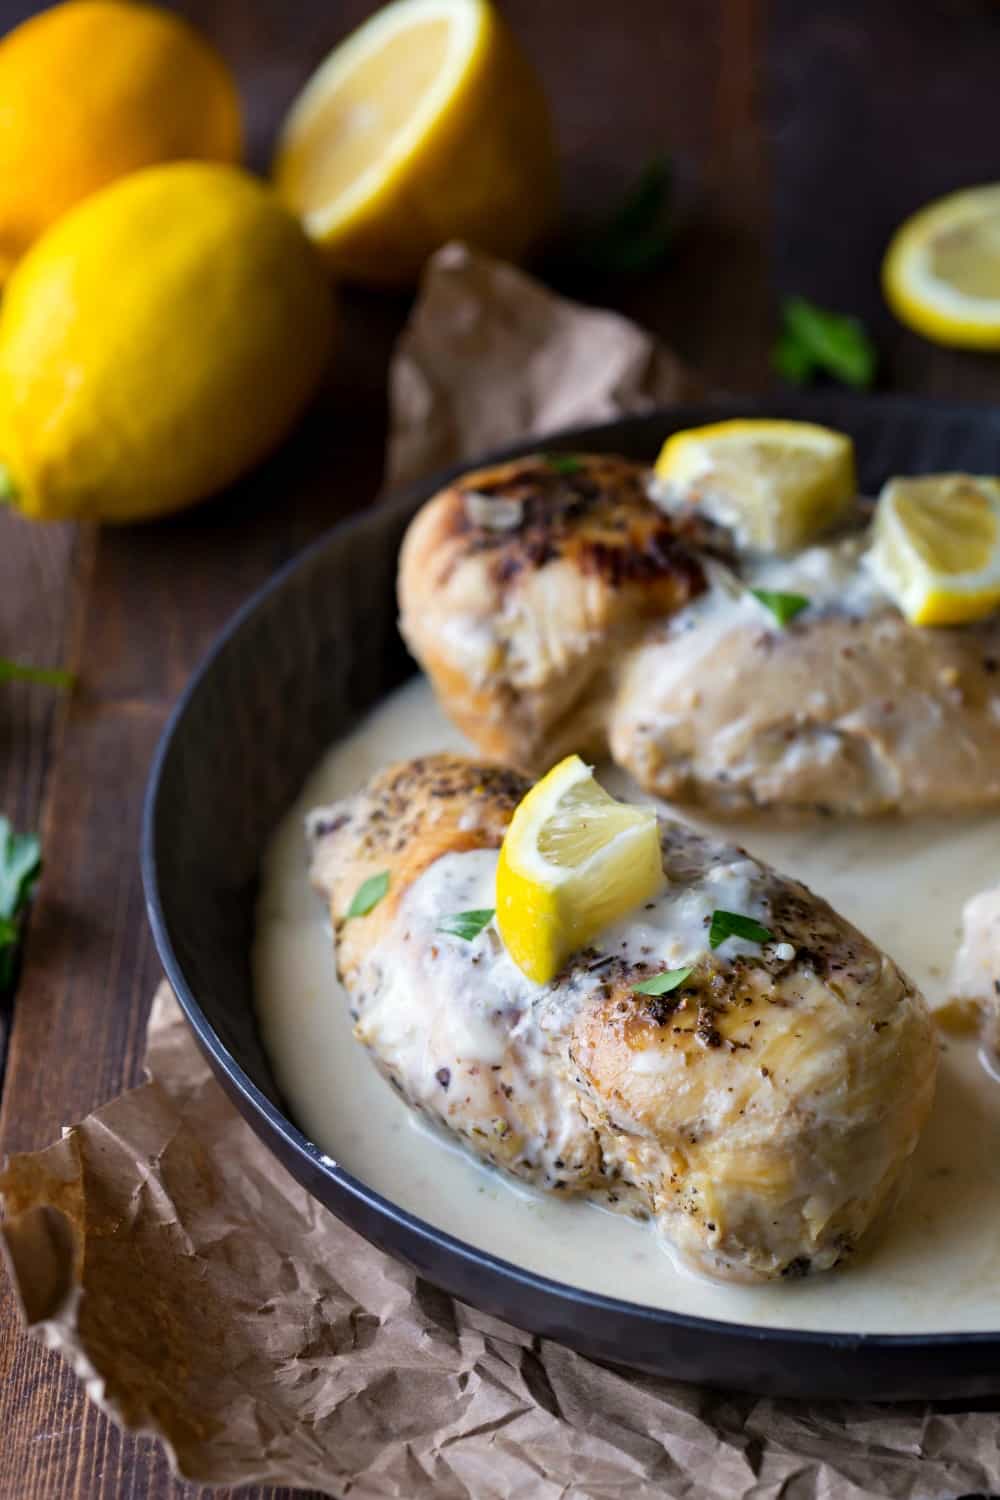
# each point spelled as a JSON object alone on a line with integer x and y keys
{"x": 573, "y": 861}
{"x": 936, "y": 547}
{"x": 941, "y": 273}
{"x": 775, "y": 484}
{"x": 427, "y": 124}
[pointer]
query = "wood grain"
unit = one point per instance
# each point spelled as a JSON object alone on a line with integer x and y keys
{"x": 796, "y": 148}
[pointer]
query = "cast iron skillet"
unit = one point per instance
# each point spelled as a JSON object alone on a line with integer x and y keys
{"x": 310, "y": 653}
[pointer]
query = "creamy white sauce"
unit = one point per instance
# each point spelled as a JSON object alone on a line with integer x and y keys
{"x": 831, "y": 575}
{"x": 975, "y": 974}
{"x": 936, "y": 1266}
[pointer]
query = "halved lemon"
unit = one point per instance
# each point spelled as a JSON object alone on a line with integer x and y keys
{"x": 573, "y": 861}
{"x": 775, "y": 484}
{"x": 427, "y": 124}
{"x": 941, "y": 273}
{"x": 936, "y": 547}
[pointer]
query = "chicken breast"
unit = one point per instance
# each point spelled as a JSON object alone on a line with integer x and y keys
{"x": 848, "y": 709}
{"x": 762, "y": 1113}
{"x": 522, "y": 587}
{"x": 556, "y": 608}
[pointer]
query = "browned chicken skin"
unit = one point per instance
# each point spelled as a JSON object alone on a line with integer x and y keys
{"x": 556, "y": 608}
{"x": 521, "y": 587}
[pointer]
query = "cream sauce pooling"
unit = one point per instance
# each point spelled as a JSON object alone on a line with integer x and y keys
{"x": 938, "y": 1266}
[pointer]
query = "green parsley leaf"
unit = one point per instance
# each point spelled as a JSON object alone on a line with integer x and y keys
{"x": 662, "y": 984}
{"x": 784, "y": 607}
{"x": 20, "y": 864}
{"x": 468, "y": 924}
{"x": 563, "y": 463}
{"x": 815, "y": 340}
{"x": 368, "y": 895}
{"x": 636, "y": 236}
{"x": 18, "y": 671}
{"x": 727, "y": 924}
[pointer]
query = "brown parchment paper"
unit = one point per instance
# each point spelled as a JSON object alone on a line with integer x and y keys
{"x": 202, "y": 1296}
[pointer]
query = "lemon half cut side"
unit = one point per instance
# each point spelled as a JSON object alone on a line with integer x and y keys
{"x": 574, "y": 860}
{"x": 776, "y": 484}
{"x": 936, "y": 547}
{"x": 427, "y": 124}
{"x": 941, "y": 273}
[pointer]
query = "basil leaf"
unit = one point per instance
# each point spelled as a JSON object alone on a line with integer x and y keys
{"x": 20, "y": 864}
{"x": 368, "y": 895}
{"x": 727, "y": 924}
{"x": 563, "y": 463}
{"x": 636, "y": 236}
{"x": 662, "y": 984}
{"x": 468, "y": 924}
{"x": 18, "y": 671}
{"x": 814, "y": 339}
{"x": 792, "y": 360}
{"x": 784, "y": 607}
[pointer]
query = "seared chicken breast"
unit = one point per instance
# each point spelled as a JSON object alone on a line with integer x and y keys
{"x": 558, "y": 611}
{"x": 762, "y": 1113}
{"x": 522, "y": 588}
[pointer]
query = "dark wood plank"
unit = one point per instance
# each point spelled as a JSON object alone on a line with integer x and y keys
{"x": 36, "y": 601}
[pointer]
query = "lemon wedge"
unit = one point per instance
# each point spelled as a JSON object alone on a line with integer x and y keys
{"x": 573, "y": 861}
{"x": 427, "y": 124}
{"x": 936, "y": 547}
{"x": 775, "y": 484}
{"x": 941, "y": 273}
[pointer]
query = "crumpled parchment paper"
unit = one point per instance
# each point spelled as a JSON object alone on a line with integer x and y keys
{"x": 203, "y": 1296}
{"x": 490, "y": 356}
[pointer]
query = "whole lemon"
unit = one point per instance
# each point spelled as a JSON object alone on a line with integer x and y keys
{"x": 155, "y": 343}
{"x": 94, "y": 89}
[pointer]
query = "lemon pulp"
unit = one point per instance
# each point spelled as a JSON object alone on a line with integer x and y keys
{"x": 427, "y": 124}
{"x": 941, "y": 273}
{"x": 573, "y": 861}
{"x": 775, "y": 484}
{"x": 936, "y": 547}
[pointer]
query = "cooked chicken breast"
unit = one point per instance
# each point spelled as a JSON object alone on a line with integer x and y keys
{"x": 845, "y": 711}
{"x": 522, "y": 587}
{"x": 559, "y": 611}
{"x": 762, "y": 1113}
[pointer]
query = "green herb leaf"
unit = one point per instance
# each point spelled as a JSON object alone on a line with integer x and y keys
{"x": 368, "y": 895}
{"x": 7, "y": 489}
{"x": 468, "y": 924}
{"x": 813, "y": 339}
{"x": 784, "y": 607}
{"x": 20, "y": 864}
{"x": 792, "y": 360}
{"x": 19, "y": 671}
{"x": 563, "y": 463}
{"x": 727, "y": 924}
{"x": 636, "y": 237}
{"x": 10, "y": 937}
{"x": 662, "y": 984}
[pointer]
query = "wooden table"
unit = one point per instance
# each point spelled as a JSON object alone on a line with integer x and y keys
{"x": 801, "y": 134}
